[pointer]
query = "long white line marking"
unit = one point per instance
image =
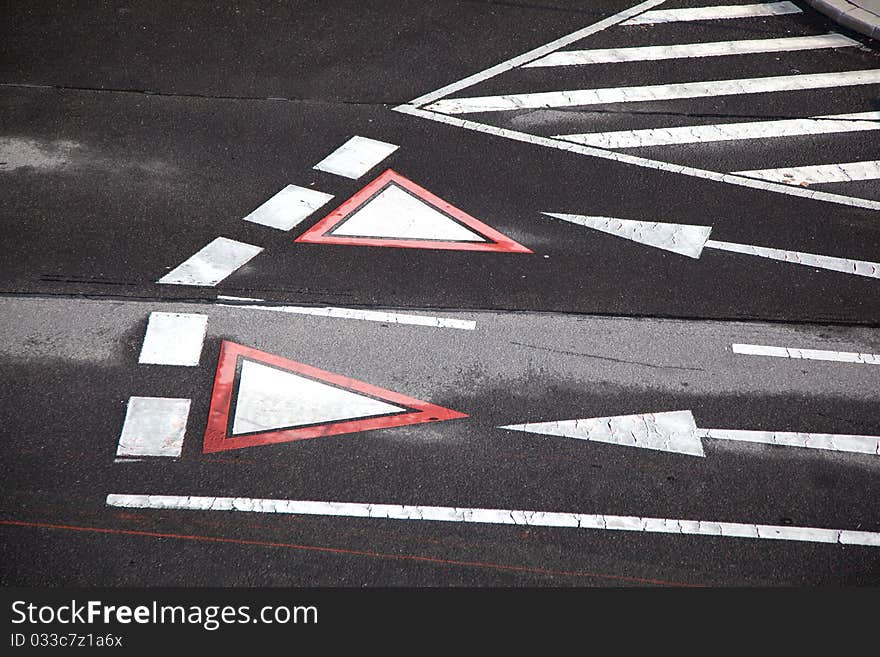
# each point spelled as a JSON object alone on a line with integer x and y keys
{"x": 689, "y": 50}
{"x": 698, "y": 134}
{"x": 818, "y": 174}
{"x": 635, "y": 160}
{"x": 355, "y": 157}
{"x": 212, "y": 263}
{"x": 714, "y": 13}
{"x": 845, "y": 265}
{"x": 808, "y": 354}
{"x": 533, "y": 54}
{"x": 288, "y": 207}
{"x": 367, "y": 315}
{"x": 173, "y": 339}
{"x": 154, "y": 426}
{"x": 834, "y": 442}
{"x": 498, "y": 517}
{"x": 654, "y": 92}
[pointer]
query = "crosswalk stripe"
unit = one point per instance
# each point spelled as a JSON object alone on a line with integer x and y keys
{"x": 709, "y": 88}
{"x": 713, "y": 13}
{"x": 697, "y": 134}
{"x": 688, "y": 50}
{"x": 818, "y": 174}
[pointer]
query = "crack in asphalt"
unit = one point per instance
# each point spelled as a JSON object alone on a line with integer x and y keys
{"x": 608, "y": 358}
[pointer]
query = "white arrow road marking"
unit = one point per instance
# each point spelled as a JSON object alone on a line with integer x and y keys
{"x": 654, "y": 92}
{"x": 289, "y": 207}
{"x": 676, "y": 431}
{"x": 355, "y": 157}
{"x": 809, "y": 354}
{"x": 714, "y": 13}
{"x": 212, "y": 263}
{"x": 497, "y": 517}
{"x": 699, "y": 134}
{"x": 818, "y": 174}
{"x": 689, "y": 240}
{"x": 690, "y": 50}
{"x": 154, "y": 426}
{"x": 173, "y": 339}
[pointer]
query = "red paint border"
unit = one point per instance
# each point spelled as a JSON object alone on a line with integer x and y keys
{"x": 318, "y": 234}
{"x": 224, "y": 383}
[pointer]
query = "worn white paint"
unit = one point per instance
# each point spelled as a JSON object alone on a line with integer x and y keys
{"x": 672, "y": 431}
{"x": 626, "y": 158}
{"x": 355, "y": 157}
{"x": 684, "y": 239}
{"x": 691, "y": 50}
{"x": 367, "y": 315}
{"x": 395, "y": 213}
{"x": 153, "y": 426}
{"x": 225, "y": 297}
{"x": 818, "y": 174}
{"x": 289, "y": 207}
{"x": 808, "y": 354}
{"x": 677, "y": 432}
{"x": 538, "y": 52}
{"x": 497, "y": 517}
{"x": 212, "y": 263}
{"x": 723, "y": 12}
{"x": 174, "y": 339}
{"x": 699, "y": 134}
{"x": 269, "y": 399}
{"x": 655, "y": 92}
{"x": 843, "y": 265}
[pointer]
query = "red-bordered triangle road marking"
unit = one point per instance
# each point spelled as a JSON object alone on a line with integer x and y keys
{"x": 455, "y": 229}
{"x": 261, "y": 399}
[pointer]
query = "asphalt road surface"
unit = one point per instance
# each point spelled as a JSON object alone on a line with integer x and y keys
{"x": 233, "y": 361}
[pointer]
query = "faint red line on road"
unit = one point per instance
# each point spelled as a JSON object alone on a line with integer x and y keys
{"x": 348, "y": 552}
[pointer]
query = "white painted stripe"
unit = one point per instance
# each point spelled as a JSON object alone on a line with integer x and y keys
{"x": 367, "y": 315}
{"x": 173, "y": 339}
{"x": 223, "y": 297}
{"x": 844, "y": 265}
{"x": 807, "y": 354}
{"x": 289, "y": 207}
{"x": 154, "y": 426}
{"x": 690, "y": 50}
{"x": 636, "y": 160}
{"x": 212, "y": 263}
{"x": 497, "y": 517}
{"x": 533, "y": 54}
{"x": 714, "y": 13}
{"x": 355, "y": 157}
{"x": 825, "y": 441}
{"x": 654, "y": 92}
{"x": 697, "y": 134}
{"x": 818, "y": 174}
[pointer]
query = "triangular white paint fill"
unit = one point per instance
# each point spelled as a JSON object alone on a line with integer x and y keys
{"x": 270, "y": 399}
{"x": 684, "y": 239}
{"x": 395, "y": 213}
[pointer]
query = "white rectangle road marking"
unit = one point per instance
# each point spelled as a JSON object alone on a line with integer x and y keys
{"x": 288, "y": 207}
{"x": 368, "y": 315}
{"x": 540, "y": 51}
{"x": 825, "y": 441}
{"x": 698, "y": 134}
{"x": 714, "y": 13}
{"x": 355, "y": 157}
{"x": 818, "y": 174}
{"x": 496, "y": 517}
{"x": 212, "y": 263}
{"x": 635, "y": 160}
{"x": 154, "y": 426}
{"x": 807, "y": 354}
{"x": 654, "y": 92}
{"x": 689, "y": 50}
{"x": 173, "y": 339}
{"x": 845, "y": 265}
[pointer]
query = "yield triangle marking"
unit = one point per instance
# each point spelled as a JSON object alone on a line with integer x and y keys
{"x": 394, "y": 211}
{"x": 261, "y": 399}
